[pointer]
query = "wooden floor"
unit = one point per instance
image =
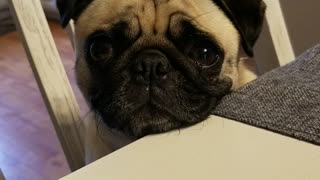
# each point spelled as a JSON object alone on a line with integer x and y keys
{"x": 29, "y": 148}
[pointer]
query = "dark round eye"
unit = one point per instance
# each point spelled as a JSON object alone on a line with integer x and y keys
{"x": 206, "y": 56}
{"x": 205, "y": 53}
{"x": 100, "y": 48}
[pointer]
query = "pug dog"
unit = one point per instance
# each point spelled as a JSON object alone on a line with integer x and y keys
{"x": 151, "y": 66}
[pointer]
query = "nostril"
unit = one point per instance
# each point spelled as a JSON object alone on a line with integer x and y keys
{"x": 142, "y": 71}
{"x": 161, "y": 70}
{"x": 139, "y": 68}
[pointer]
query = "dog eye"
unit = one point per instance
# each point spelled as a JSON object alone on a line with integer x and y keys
{"x": 100, "y": 48}
{"x": 206, "y": 56}
{"x": 204, "y": 52}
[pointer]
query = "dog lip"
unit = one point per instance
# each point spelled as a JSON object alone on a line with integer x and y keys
{"x": 152, "y": 94}
{"x": 149, "y": 104}
{"x": 151, "y": 89}
{"x": 150, "y": 97}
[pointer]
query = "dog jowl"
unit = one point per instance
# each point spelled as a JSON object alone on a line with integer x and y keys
{"x": 149, "y": 66}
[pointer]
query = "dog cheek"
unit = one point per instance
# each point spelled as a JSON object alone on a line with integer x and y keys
{"x": 229, "y": 72}
{"x": 84, "y": 77}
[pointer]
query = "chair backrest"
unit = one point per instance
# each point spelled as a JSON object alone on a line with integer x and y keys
{"x": 55, "y": 87}
{"x": 279, "y": 32}
{"x": 51, "y": 77}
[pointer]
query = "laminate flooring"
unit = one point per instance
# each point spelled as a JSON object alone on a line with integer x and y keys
{"x": 29, "y": 148}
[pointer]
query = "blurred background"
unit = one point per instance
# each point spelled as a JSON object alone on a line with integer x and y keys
{"x": 6, "y": 23}
{"x": 29, "y": 148}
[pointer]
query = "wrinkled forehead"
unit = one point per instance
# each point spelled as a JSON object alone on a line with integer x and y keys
{"x": 155, "y": 17}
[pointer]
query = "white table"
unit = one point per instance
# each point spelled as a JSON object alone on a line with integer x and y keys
{"x": 216, "y": 149}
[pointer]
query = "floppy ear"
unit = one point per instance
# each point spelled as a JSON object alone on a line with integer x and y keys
{"x": 248, "y": 17}
{"x": 71, "y": 9}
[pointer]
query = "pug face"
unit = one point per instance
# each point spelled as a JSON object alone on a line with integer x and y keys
{"x": 150, "y": 66}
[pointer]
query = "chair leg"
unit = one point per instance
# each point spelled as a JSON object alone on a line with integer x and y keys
{"x": 51, "y": 77}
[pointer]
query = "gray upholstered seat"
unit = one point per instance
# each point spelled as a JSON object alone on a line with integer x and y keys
{"x": 285, "y": 100}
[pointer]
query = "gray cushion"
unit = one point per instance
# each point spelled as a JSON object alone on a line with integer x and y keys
{"x": 285, "y": 100}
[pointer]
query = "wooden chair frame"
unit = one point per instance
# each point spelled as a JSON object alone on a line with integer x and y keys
{"x": 51, "y": 77}
{"x": 55, "y": 87}
{"x": 279, "y": 32}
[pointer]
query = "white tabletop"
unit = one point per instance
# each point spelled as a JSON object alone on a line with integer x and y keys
{"x": 215, "y": 149}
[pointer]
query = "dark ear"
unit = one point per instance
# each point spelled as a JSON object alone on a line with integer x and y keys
{"x": 248, "y": 17}
{"x": 71, "y": 9}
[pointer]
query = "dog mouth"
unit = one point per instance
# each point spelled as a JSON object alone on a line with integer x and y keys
{"x": 140, "y": 110}
{"x": 146, "y": 119}
{"x": 153, "y": 111}
{"x": 151, "y": 96}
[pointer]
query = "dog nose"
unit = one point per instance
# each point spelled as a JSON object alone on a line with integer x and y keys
{"x": 151, "y": 65}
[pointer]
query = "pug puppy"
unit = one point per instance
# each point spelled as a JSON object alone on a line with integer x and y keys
{"x": 150, "y": 66}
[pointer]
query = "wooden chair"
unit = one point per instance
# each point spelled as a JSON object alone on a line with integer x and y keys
{"x": 279, "y": 33}
{"x": 51, "y": 77}
{"x": 55, "y": 87}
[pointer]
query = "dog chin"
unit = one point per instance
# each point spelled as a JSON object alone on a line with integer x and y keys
{"x": 142, "y": 122}
{"x": 150, "y": 118}
{"x": 155, "y": 111}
